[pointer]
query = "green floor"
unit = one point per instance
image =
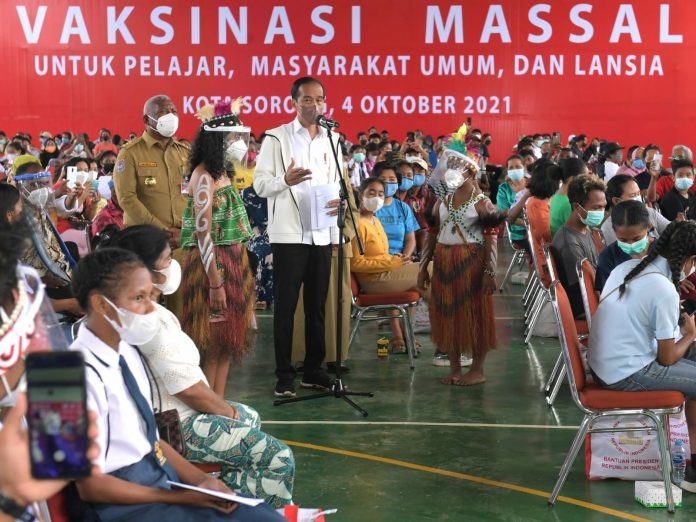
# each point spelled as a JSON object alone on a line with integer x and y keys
{"x": 408, "y": 422}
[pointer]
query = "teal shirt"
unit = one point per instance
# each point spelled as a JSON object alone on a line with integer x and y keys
{"x": 505, "y": 201}
{"x": 560, "y": 209}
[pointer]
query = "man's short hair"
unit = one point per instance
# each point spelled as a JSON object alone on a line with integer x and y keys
{"x": 581, "y": 186}
{"x": 305, "y": 80}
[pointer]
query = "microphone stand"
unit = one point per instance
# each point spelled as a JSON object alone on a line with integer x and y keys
{"x": 339, "y": 390}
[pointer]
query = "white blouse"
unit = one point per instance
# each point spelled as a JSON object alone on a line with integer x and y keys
{"x": 175, "y": 361}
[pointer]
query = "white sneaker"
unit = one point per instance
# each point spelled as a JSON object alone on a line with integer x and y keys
{"x": 440, "y": 359}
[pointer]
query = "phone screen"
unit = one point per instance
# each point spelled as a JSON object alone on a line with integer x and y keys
{"x": 57, "y": 415}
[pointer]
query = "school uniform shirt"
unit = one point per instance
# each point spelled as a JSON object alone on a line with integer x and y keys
{"x": 122, "y": 430}
{"x": 610, "y": 170}
{"x": 625, "y": 330}
{"x": 397, "y": 220}
{"x": 673, "y": 203}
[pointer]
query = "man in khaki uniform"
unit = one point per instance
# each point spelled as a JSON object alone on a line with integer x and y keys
{"x": 149, "y": 174}
{"x": 298, "y": 344}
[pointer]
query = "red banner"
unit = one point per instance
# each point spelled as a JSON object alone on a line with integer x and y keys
{"x": 616, "y": 69}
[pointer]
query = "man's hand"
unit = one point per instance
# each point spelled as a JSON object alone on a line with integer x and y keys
{"x": 15, "y": 477}
{"x": 218, "y": 299}
{"x": 333, "y": 204}
{"x": 686, "y": 286}
{"x": 174, "y": 237}
{"x": 297, "y": 175}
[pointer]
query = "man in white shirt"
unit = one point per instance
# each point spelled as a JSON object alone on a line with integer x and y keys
{"x": 293, "y": 160}
{"x": 613, "y": 152}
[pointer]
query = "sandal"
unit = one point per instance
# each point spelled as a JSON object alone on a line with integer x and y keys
{"x": 397, "y": 345}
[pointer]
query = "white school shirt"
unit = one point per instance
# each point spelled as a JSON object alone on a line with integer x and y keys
{"x": 121, "y": 427}
{"x": 610, "y": 170}
{"x": 314, "y": 154}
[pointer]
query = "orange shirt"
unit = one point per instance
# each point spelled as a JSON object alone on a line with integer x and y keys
{"x": 539, "y": 216}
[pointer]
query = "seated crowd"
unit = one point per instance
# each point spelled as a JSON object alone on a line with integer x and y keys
{"x": 426, "y": 218}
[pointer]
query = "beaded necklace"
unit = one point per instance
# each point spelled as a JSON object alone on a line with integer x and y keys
{"x": 456, "y": 217}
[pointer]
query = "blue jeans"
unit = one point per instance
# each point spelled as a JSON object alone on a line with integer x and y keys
{"x": 681, "y": 376}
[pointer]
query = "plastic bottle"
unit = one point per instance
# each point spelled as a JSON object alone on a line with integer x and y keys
{"x": 383, "y": 349}
{"x": 678, "y": 462}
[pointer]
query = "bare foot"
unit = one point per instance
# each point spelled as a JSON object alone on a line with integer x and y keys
{"x": 452, "y": 378}
{"x": 471, "y": 378}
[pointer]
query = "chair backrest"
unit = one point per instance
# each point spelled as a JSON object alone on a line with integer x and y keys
{"x": 542, "y": 271}
{"x": 509, "y": 236}
{"x": 598, "y": 239}
{"x": 354, "y": 285}
{"x": 550, "y": 263}
{"x": 540, "y": 222}
{"x": 586, "y": 277}
{"x": 568, "y": 336}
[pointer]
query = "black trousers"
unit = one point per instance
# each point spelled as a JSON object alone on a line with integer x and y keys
{"x": 293, "y": 265}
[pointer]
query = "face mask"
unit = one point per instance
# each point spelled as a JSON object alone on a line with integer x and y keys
{"x": 135, "y": 329}
{"x": 487, "y": 142}
{"x": 418, "y": 180}
{"x": 359, "y": 157}
{"x": 638, "y": 164}
{"x": 105, "y": 137}
{"x": 43, "y": 141}
{"x": 390, "y": 189}
{"x": 454, "y": 179}
{"x": 236, "y": 150}
{"x": 372, "y": 157}
{"x": 2, "y": 142}
{"x": 39, "y": 197}
{"x": 638, "y": 199}
{"x": 166, "y": 125}
{"x": 65, "y": 141}
{"x": 633, "y": 249}
{"x": 373, "y": 204}
{"x": 683, "y": 183}
{"x": 79, "y": 148}
{"x": 10, "y": 158}
{"x": 108, "y": 168}
{"x": 594, "y": 218}
{"x": 516, "y": 175}
{"x": 406, "y": 184}
{"x": 173, "y": 278}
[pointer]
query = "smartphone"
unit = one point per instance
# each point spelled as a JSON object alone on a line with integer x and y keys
{"x": 71, "y": 174}
{"x": 57, "y": 415}
{"x": 556, "y": 138}
{"x": 689, "y": 306}
{"x": 656, "y": 163}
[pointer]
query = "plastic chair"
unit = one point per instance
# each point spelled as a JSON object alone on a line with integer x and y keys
{"x": 517, "y": 257}
{"x": 596, "y": 402}
{"x": 543, "y": 281}
{"x": 375, "y": 303}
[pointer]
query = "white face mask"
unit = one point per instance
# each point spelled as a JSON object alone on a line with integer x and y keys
{"x": 454, "y": 179}
{"x": 39, "y": 197}
{"x": 236, "y": 150}
{"x": 135, "y": 329}
{"x": 173, "y": 278}
{"x": 166, "y": 125}
{"x": 373, "y": 204}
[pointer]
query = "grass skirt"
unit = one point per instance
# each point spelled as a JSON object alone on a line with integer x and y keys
{"x": 462, "y": 318}
{"x": 230, "y": 334}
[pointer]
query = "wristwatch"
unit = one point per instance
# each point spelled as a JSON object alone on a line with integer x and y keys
{"x": 10, "y": 507}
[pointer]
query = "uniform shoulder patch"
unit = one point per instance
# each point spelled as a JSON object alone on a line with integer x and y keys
{"x": 120, "y": 166}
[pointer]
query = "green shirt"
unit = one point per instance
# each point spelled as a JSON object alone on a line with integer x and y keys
{"x": 230, "y": 221}
{"x": 559, "y": 212}
{"x": 505, "y": 201}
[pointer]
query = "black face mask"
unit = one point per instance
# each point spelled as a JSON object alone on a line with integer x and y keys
{"x": 108, "y": 168}
{"x": 105, "y": 137}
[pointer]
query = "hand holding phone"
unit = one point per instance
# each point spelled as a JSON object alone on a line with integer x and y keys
{"x": 57, "y": 415}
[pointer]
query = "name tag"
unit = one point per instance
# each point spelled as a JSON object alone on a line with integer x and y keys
{"x": 147, "y": 164}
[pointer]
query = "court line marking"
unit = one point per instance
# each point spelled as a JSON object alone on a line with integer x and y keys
{"x": 470, "y": 478}
{"x": 432, "y": 424}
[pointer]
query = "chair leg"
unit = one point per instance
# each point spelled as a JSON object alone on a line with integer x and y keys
{"x": 552, "y": 376}
{"x": 531, "y": 285}
{"x": 509, "y": 270}
{"x": 533, "y": 295}
{"x": 410, "y": 336}
{"x": 358, "y": 318}
{"x": 559, "y": 382}
{"x": 535, "y": 317}
{"x": 665, "y": 458}
{"x": 570, "y": 458}
{"x": 530, "y": 311}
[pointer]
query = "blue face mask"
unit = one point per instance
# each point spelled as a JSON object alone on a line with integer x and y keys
{"x": 516, "y": 175}
{"x": 633, "y": 249}
{"x": 683, "y": 183}
{"x": 390, "y": 189}
{"x": 64, "y": 141}
{"x": 406, "y": 184}
{"x": 418, "y": 180}
{"x": 638, "y": 164}
{"x": 594, "y": 218}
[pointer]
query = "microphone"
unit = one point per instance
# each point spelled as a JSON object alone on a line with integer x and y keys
{"x": 327, "y": 123}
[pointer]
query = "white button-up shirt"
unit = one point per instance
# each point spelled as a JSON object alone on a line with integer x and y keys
{"x": 125, "y": 431}
{"x": 314, "y": 154}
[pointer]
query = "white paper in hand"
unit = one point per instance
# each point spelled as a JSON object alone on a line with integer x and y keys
{"x": 321, "y": 196}
{"x": 224, "y": 496}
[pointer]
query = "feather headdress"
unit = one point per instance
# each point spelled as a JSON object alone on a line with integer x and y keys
{"x": 221, "y": 114}
{"x": 456, "y": 156}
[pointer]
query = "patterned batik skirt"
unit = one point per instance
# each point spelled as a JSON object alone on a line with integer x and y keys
{"x": 224, "y": 333}
{"x": 461, "y": 315}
